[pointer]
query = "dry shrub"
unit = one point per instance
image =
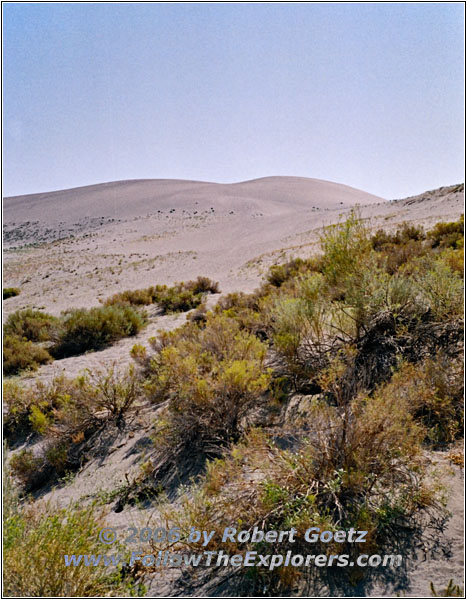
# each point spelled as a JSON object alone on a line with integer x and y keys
{"x": 211, "y": 376}
{"x": 362, "y": 470}
{"x": 133, "y": 297}
{"x": 35, "y": 542}
{"x": 68, "y": 414}
{"x": 10, "y": 292}
{"x": 433, "y": 391}
{"x": 33, "y": 325}
{"x": 91, "y": 329}
{"x": 21, "y": 355}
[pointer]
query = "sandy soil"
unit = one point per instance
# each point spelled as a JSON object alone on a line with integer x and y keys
{"x": 75, "y": 247}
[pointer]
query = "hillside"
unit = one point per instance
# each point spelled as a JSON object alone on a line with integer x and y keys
{"x": 332, "y": 394}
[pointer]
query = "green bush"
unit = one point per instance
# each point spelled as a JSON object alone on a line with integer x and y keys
{"x": 20, "y": 355}
{"x": 447, "y": 235}
{"x": 92, "y": 329}
{"x": 179, "y": 297}
{"x": 134, "y": 297}
{"x": 10, "y": 292}
{"x": 42, "y": 537}
{"x": 33, "y": 325}
{"x": 212, "y": 376}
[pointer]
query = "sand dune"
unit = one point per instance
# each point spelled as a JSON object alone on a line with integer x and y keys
{"x": 129, "y": 199}
{"x": 74, "y": 247}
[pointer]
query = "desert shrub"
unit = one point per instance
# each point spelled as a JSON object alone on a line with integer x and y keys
{"x": 25, "y": 465}
{"x": 447, "y": 235}
{"x": 10, "y": 292}
{"x": 67, "y": 413}
{"x": 42, "y": 537}
{"x": 115, "y": 392}
{"x": 454, "y": 259}
{"x": 440, "y": 288}
{"x": 344, "y": 247}
{"x": 20, "y": 354}
{"x": 17, "y": 401}
{"x": 177, "y": 298}
{"x": 405, "y": 234}
{"x": 133, "y": 297}
{"x": 362, "y": 470}
{"x": 212, "y": 376}
{"x": 433, "y": 391}
{"x": 92, "y": 329}
{"x": 202, "y": 285}
{"x": 279, "y": 274}
{"x": 33, "y": 325}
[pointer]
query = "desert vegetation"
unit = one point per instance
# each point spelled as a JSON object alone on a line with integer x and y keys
{"x": 312, "y": 402}
{"x": 10, "y": 292}
{"x": 360, "y": 372}
{"x": 44, "y": 536}
{"x": 81, "y": 330}
{"x": 180, "y": 297}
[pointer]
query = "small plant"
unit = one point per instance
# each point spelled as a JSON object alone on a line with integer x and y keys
{"x": 451, "y": 590}
{"x": 45, "y": 537}
{"x": 10, "y": 292}
{"x": 32, "y": 325}
{"x": 25, "y": 465}
{"x": 92, "y": 329}
{"x": 20, "y": 355}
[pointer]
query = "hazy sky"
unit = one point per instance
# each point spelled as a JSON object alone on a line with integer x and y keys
{"x": 370, "y": 95}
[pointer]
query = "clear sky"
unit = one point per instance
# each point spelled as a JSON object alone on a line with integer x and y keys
{"x": 370, "y": 95}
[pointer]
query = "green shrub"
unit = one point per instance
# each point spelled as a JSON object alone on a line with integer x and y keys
{"x": 25, "y": 465}
{"x": 20, "y": 354}
{"x": 212, "y": 377}
{"x": 177, "y": 298}
{"x": 202, "y": 285}
{"x": 134, "y": 297}
{"x": 42, "y": 537}
{"x": 447, "y": 235}
{"x": 33, "y": 325}
{"x": 10, "y": 292}
{"x": 92, "y": 329}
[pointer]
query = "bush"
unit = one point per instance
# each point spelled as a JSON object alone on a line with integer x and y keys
{"x": 93, "y": 329}
{"x": 447, "y": 235}
{"x": 20, "y": 354}
{"x": 177, "y": 298}
{"x": 10, "y": 292}
{"x": 133, "y": 297}
{"x": 25, "y": 466}
{"x": 42, "y": 537}
{"x": 33, "y": 325}
{"x": 67, "y": 413}
{"x": 212, "y": 377}
{"x": 433, "y": 392}
{"x": 202, "y": 285}
{"x": 180, "y": 297}
{"x": 362, "y": 468}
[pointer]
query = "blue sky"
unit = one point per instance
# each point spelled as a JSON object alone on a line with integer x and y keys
{"x": 370, "y": 95}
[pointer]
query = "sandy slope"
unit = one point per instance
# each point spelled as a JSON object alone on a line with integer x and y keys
{"x": 74, "y": 247}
